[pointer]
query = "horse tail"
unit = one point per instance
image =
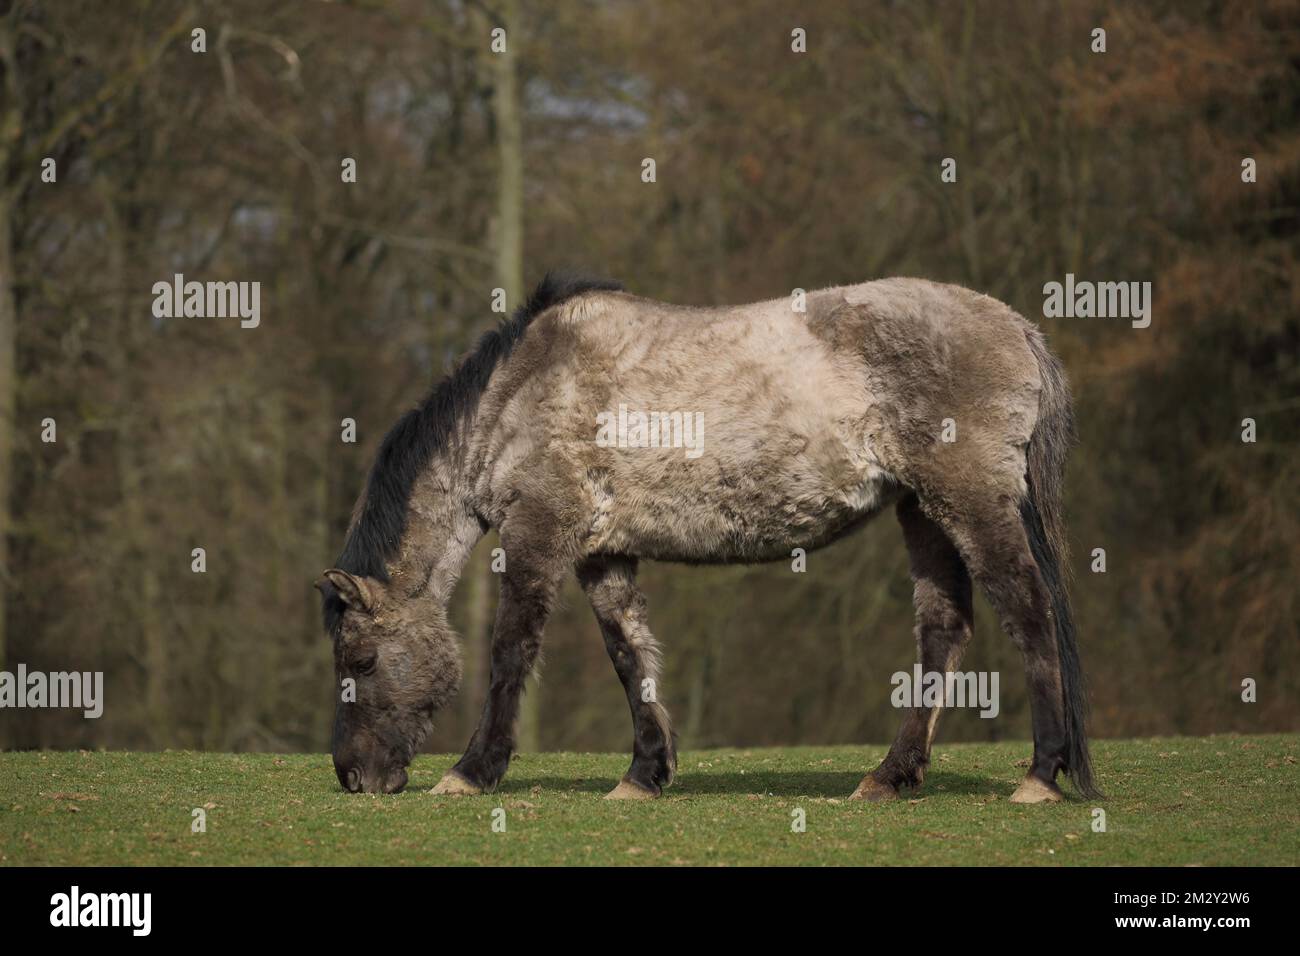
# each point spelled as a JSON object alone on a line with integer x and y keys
{"x": 1044, "y": 522}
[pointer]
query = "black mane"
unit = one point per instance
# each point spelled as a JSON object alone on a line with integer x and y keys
{"x": 407, "y": 449}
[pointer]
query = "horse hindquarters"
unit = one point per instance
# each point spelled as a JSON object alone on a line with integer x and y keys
{"x": 974, "y": 415}
{"x": 1014, "y": 547}
{"x": 988, "y": 545}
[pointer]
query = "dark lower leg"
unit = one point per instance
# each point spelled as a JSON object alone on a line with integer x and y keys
{"x": 944, "y": 618}
{"x": 909, "y": 755}
{"x": 1003, "y": 566}
{"x": 516, "y": 641}
{"x": 619, "y": 606}
{"x": 488, "y": 755}
{"x": 1047, "y": 706}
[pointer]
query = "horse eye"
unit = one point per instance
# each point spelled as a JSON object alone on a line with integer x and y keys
{"x": 365, "y": 665}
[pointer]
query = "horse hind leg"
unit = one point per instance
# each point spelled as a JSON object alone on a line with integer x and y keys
{"x": 941, "y": 593}
{"x": 994, "y": 544}
{"x": 620, "y": 608}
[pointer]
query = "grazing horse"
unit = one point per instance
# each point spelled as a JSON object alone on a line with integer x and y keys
{"x": 595, "y": 428}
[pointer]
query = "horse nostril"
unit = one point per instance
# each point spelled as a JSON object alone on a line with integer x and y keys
{"x": 354, "y": 780}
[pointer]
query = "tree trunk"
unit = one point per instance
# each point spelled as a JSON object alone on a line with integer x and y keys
{"x": 508, "y": 243}
{"x": 133, "y": 476}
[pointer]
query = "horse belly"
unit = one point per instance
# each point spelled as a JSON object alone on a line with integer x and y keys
{"x": 707, "y": 515}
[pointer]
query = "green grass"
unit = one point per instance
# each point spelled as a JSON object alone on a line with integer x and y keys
{"x": 1214, "y": 800}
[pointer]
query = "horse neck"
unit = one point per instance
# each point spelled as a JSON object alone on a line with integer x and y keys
{"x": 441, "y": 531}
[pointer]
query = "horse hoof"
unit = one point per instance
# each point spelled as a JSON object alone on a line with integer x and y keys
{"x": 453, "y": 784}
{"x": 627, "y": 790}
{"x": 873, "y": 791}
{"x": 1033, "y": 790}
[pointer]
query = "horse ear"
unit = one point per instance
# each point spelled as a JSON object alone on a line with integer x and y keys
{"x": 352, "y": 590}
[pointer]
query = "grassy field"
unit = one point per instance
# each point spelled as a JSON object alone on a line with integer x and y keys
{"x": 1214, "y": 800}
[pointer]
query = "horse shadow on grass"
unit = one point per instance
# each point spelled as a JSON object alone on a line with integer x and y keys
{"x": 818, "y": 784}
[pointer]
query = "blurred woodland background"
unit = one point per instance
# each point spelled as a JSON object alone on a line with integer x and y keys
{"x": 775, "y": 170}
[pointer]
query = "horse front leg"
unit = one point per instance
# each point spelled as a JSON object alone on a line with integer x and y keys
{"x": 619, "y": 605}
{"x": 534, "y": 566}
